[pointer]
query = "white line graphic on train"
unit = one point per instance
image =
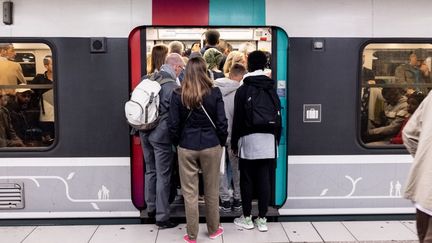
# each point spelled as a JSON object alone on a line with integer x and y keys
{"x": 394, "y": 192}
{"x": 102, "y": 195}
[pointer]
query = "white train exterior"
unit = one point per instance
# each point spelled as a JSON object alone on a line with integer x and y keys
{"x": 329, "y": 171}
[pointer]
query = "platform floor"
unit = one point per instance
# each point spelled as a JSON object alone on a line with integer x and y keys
{"x": 346, "y": 231}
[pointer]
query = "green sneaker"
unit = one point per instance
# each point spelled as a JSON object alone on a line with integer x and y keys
{"x": 244, "y": 222}
{"x": 261, "y": 223}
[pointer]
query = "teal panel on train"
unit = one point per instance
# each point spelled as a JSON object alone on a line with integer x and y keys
{"x": 239, "y": 12}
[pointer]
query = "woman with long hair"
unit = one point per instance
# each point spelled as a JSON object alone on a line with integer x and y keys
{"x": 198, "y": 127}
{"x": 157, "y": 58}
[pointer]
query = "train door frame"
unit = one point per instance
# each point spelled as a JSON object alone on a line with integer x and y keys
{"x": 279, "y": 65}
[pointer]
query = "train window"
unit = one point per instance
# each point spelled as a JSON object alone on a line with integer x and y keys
{"x": 395, "y": 78}
{"x": 27, "y": 96}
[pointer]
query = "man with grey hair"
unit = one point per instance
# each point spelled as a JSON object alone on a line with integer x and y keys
{"x": 7, "y": 50}
{"x": 10, "y": 72}
{"x": 176, "y": 47}
{"x": 157, "y": 146}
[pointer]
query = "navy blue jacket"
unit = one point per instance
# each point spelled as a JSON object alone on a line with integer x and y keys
{"x": 192, "y": 129}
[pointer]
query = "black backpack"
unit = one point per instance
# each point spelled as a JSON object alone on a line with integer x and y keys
{"x": 262, "y": 108}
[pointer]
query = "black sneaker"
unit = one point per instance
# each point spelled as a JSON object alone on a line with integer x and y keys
{"x": 225, "y": 206}
{"x": 166, "y": 224}
{"x": 237, "y": 205}
{"x": 151, "y": 214}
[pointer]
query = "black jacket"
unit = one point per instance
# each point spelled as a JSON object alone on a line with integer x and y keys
{"x": 240, "y": 127}
{"x": 192, "y": 129}
{"x": 22, "y": 118}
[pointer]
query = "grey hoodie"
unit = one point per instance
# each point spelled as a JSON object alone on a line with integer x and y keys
{"x": 228, "y": 88}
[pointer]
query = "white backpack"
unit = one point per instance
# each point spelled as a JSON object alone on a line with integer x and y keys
{"x": 142, "y": 110}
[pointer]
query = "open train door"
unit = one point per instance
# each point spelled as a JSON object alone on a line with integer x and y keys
{"x": 271, "y": 39}
{"x": 280, "y": 74}
{"x": 136, "y": 71}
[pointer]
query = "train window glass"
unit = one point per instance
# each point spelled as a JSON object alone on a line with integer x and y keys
{"x": 27, "y": 96}
{"x": 28, "y": 63}
{"x": 395, "y": 77}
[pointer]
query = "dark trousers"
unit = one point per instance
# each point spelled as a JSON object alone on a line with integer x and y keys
{"x": 255, "y": 175}
{"x": 158, "y": 158}
{"x": 424, "y": 227}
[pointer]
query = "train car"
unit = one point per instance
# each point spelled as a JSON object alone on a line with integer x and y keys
{"x": 92, "y": 167}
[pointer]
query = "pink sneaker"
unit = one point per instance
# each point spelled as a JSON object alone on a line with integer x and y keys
{"x": 218, "y": 233}
{"x": 187, "y": 239}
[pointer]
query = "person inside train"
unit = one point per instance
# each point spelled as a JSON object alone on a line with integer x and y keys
{"x": 367, "y": 107}
{"x": 416, "y": 138}
{"x": 225, "y": 48}
{"x": 267, "y": 69}
{"x": 24, "y": 121}
{"x": 367, "y": 74}
{"x": 414, "y": 100}
{"x": 425, "y": 76}
{"x": 195, "y": 50}
{"x": 198, "y": 127}
{"x": 391, "y": 119}
{"x": 148, "y": 62}
{"x": 409, "y": 73}
{"x": 187, "y": 52}
{"x": 211, "y": 40}
{"x": 157, "y": 58}
{"x": 10, "y": 72}
{"x": 8, "y": 52}
{"x": 176, "y": 47}
{"x": 255, "y": 144}
{"x": 157, "y": 146}
{"x": 228, "y": 87}
{"x": 213, "y": 57}
{"x": 8, "y": 136}
{"x": 44, "y": 99}
{"x": 232, "y": 58}
{"x": 246, "y": 48}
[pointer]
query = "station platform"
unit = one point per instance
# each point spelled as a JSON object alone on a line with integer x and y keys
{"x": 340, "y": 231}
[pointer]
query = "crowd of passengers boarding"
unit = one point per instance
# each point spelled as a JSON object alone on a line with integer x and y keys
{"x": 206, "y": 105}
{"x": 385, "y": 109}
{"x": 26, "y": 115}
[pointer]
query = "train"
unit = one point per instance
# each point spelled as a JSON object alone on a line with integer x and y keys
{"x": 94, "y": 167}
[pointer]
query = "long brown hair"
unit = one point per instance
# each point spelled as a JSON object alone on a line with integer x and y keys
{"x": 158, "y": 55}
{"x": 196, "y": 83}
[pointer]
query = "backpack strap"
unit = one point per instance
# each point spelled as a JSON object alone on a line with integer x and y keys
{"x": 269, "y": 92}
{"x": 272, "y": 94}
{"x": 165, "y": 80}
{"x": 162, "y": 81}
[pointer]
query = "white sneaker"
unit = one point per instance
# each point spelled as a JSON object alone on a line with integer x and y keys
{"x": 244, "y": 222}
{"x": 261, "y": 223}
